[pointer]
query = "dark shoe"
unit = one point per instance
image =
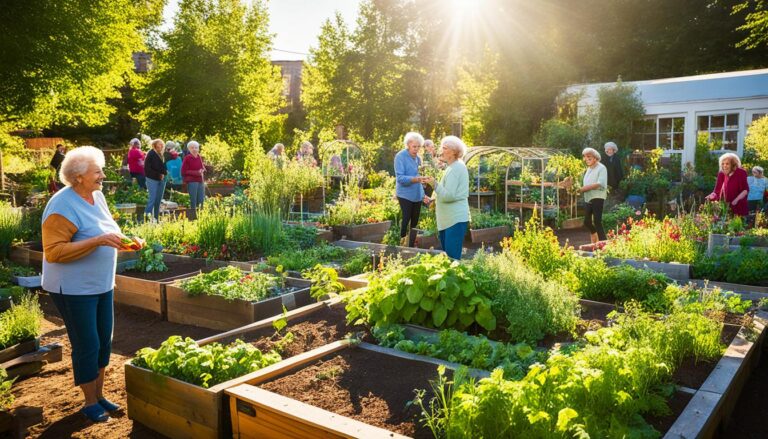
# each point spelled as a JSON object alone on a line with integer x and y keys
{"x": 108, "y": 405}
{"x": 95, "y": 413}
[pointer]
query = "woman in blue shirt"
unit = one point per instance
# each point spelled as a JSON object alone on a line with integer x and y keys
{"x": 408, "y": 188}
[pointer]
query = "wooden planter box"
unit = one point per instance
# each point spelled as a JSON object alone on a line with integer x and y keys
{"x": 428, "y": 242}
{"x": 182, "y": 410}
{"x": 31, "y": 254}
{"x": 258, "y": 413}
{"x": 19, "y": 349}
{"x": 673, "y": 270}
{"x": 573, "y": 223}
{"x": 491, "y": 235}
{"x": 219, "y": 313}
{"x": 28, "y": 358}
{"x": 373, "y": 232}
{"x": 219, "y": 189}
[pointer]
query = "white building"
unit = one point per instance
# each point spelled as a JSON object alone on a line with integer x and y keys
{"x": 677, "y": 109}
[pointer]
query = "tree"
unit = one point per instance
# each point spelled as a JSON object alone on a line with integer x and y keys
{"x": 214, "y": 77}
{"x": 755, "y": 23}
{"x": 476, "y": 84}
{"x": 756, "y": 142}
{"x": 63, "y": 61}
{"x": 619, "y": 106}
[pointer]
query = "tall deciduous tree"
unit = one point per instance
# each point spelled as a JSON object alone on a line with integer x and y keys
{"x": 214, "y": 77}
{"x": 62, "y": 61}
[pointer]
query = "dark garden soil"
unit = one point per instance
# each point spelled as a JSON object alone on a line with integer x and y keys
{"x": 693, "y": 374}
{"x": 676, "y": 406}
{"x": 749, "y": 420}
{"x": 367, "y": 386}
{"x": 309, "y": 332}
{"x": 174, "y": 269}
{"x": 53, "y": 388}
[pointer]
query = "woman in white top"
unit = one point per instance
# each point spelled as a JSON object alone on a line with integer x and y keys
{"x": 758, "y": 184}
{"x": 595, "y": 190}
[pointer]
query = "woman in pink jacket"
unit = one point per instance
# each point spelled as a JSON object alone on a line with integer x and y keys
{"x": 193, "y": 174}
{"x": 136, "y": 163}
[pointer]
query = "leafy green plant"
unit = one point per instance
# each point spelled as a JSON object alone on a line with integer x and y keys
{"x": 20, "y": 323}
{"x": 150, "y": 260}
{"x": 618, "y": 215}
{"x": 253, "y": 232}
{"x": 6, "y": 397}
{"x": 485, "y": 220}
{"x": 212, "y": 225}
{"x": 325, "y": 281}
{"x": 653, "y": 239}
{"x": 434, "y": 291}
{"x": 743, "y": 265}
{"x": 231, "y": 283}
{"x": 474, "y": 351}
{"x": 206, "y": 365}
{"x": 10, "y": 227}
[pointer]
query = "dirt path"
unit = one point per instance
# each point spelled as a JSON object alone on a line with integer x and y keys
{"x": 53, "y": 389}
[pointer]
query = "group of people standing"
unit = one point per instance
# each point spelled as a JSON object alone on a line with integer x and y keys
{"x": 450, "y": 194}
{"x": 306, "y": 154}
{"x": 164, "y": 166}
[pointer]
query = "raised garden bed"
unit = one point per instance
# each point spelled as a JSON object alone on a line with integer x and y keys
{"x": 147, "y": 290}
{"x": 719, "y": 241}
{"x": 491, "y": 235}
{"x": 673, "y": 270}
{"x": 31, "y": 254}
{"x": 342, "y": 392}
{"x": 179, "y": 409}
{"x": 28, "y": 358}
{"x": 372, "y": 232}
{"x": 210, "y": 311}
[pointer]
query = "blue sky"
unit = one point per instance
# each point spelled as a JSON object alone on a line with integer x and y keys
{"x": 295, "y": 23}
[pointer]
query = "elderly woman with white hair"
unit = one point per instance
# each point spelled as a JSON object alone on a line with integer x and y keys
{"x": 408, "y": 188}
{"x": 452, "y": 197}
{"x": 193, "y": 174}
{"x": 595, "y": 190}
{"x": 80, "y": 243}
{"x": 613, "y": 165}
{"x": 306, "y": 154}
{"x": 731, "y": 185}
{"x": 135, "y": 162}
{"x": 758, "y": 184}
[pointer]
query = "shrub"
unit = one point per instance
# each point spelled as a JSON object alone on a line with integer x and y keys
{"x": 11, "y": 221}
{"x": 656, "y": 240}
{"x": 21, "y": 322}
{"x": 744, "y": 266}
{"x": 528, "y": 307}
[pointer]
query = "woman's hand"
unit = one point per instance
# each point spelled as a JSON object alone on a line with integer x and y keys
{"x": 113, "y": 240}
{"x": 735, "y": 202}
{"x": 429, "y": 180}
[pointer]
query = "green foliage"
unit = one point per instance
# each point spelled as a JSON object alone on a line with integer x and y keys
{"x": 475, "y": 84}
{"x": 213, "y": 76}
{"x": 231, "y": 283}
{"x": 219, "y": 153}
{"x": 707, "y": 164}
{"x": 598, "y": 281}
{"x": 11, "y": 222}
{"x": 485, "y": 220}
{"x": 434, "y": 291}
{"x": 6, "y": 397}
{"x": 474, "y": 351}
{"x": 65, "y": 61}
{"x": 206, "y": 365}
{"x": 252, "y": 232}
{"x": 304, "y": 259}
{"x": 618, "y": 215}
{"x": 325, "y": 281}
{"x": 618, "y": 107}
{"x": 756, "y": 142}
{"x": 20, "y": 323}
{"x": 299, "y": 237}
{"x": 273, "y": 187}
{"x": 150, "y": 260}
{"x": 601, "y": 390}
{"x": 212, "y": 225}
{"x": 743, "y": 266}
{"x": 127, "y": 193}
{"x": 649, "y": 238}
{"x": 528, "y": 306}
{"x": 755, "y": 23}
{"x": 563, "y": 135}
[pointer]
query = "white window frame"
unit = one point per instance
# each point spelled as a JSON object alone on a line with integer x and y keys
{"x": 665, "y": 148}
{"x": 725, "y": 112}
{"x": 751, "y": 114}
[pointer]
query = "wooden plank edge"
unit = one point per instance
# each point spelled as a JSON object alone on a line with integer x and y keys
{"x": 700, "y": 421}
{"x": 474, "y": 373}
{"x": 269, "y": 372}
{"x": 307, "y": 414}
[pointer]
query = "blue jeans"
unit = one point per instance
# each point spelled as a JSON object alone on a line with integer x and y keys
{"x": 140, "y": 179}
{"x": 155, "y": 189}
{"x": 196, "y": 192}
{"x": 89, "y": 320}
{"x": 452, "y": 239}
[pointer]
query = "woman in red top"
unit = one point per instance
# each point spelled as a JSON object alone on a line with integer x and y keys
{"x": 136, "y": 162}
{"x": 732, "y": 186}
{"x": 193, "y": 172}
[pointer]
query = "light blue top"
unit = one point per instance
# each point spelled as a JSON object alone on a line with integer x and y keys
{"x": 95, "y": 272}
{"x": 174, "y": 170}
{"x": 452, "y": 196}
{"x": 406, "y": 168}
{"x": 757, "y": 187}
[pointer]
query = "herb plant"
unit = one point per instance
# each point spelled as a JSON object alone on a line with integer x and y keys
{"x": 231, "y": 283}
{"x": 21, "y": 322}
{"x": 151, "y": 261}
{"x": 206, "y": 365}
{"x": 6, "y": 397}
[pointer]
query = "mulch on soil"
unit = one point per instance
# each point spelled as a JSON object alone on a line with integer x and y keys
{"x": 53, "y": 389}
{"x": 693, "y": 374}
{"x": 676, "y": 406}
{"x": 367, "y": 386}
{"x": 174, "y": 269}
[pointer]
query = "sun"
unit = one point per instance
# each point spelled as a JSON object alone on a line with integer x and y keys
{"x": 464, "y": 6}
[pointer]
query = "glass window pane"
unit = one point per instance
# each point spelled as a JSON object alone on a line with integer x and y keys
{"x": 703, "y": 123}
{"x": 665, "y": 125}
{"x": 732, "y": 121}
{"x": 679, "y": 125}
{"x": 717, "y": 121}
{"x": 678, "y": 141}
{"x": 665, "y": 141}
{"x": 729, "y": 142}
